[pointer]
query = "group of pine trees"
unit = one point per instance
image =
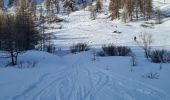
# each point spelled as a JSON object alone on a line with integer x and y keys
{"x": 29, "y": 5}
{"x": 52, "y": 7}
{"x": 130, "y": 9}
{"x": 17, "y": 31}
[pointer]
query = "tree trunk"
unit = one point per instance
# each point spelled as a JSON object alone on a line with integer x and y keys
{"x": 13, "y": 62}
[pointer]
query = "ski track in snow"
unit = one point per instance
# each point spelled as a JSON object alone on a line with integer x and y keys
{"x": 81, "y": 82}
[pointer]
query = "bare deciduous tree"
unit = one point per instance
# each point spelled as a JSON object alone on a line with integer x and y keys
{"x": 158, "y": 16}
{"x": 148, "y": 9}
{"x": 33, "y": 8}
{"x": 69, "y": 5}
{"x": 133, "y": 60}
{"x": 17, "y": 32}
{"x": 98, "y": 5}
{"x": 114, "y": 7}
{"x": 47, "y": 6}
{"x": 145, "y": 40}
{"x": 93, "y": 12}
{"x": 139, "y": 8}
{"x": 57, "y": 5}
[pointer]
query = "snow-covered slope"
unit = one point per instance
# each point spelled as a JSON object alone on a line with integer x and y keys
{"x": 78, "y": 27}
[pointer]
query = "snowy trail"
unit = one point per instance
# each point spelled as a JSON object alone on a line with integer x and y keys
{"x": 83, "y": 82}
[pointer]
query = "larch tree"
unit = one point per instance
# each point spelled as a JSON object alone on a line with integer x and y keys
{"x": 33, "y": 8}
{"x": 98, "y": 5}
{"x": 114, "y": 7}
{"x": 69, "y": 6}
{"x": 10, "y": 39}
{"x": 25, "y": 25}
{"x": 129, "y": 6}
{"x": 158, "y": 16}
{"x": 23, "y": 5}
{"x": 52, "y": 11}
{"x": 148, "y": 9}
{"x": 137, "y": 9}
{"x": 17, "y": 32}
{"x": 124, "y": 15}
{"x": 57, "y": 6}
{"x": 47, "y": 4}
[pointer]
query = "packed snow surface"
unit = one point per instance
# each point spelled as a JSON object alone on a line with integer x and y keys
{"x": 77, "y": 77}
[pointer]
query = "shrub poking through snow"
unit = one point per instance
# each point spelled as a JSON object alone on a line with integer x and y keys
{"x": 123, "y": 51}
{"x": 28, "y": 64}
{"x": 51, "y": 48}
{"x": 112, "y": 50}
{"x": 160, "y": 56}
{"x": 151, "y": 76}
{"x": 100, "y": 53}
{"x": 133, "y": 59}
{"x": 109, "y": 50}
{"x": 79, "y": 47}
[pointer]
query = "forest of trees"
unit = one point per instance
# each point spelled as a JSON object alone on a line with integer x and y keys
{"x": 130, "y": 9}
{"x": 18, "y": 32}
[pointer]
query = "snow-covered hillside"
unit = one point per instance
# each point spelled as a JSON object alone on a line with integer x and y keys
{"x": 43, "y": 76}
{"x": 78, "y": 27}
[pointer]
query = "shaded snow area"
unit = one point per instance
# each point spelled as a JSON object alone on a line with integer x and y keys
{"x": 77, "y": 77}
{"x": 43, "y": 76}
{"x": 165, "y": 10}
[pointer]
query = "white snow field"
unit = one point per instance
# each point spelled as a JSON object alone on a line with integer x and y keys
{"x": 77, "y": 76}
